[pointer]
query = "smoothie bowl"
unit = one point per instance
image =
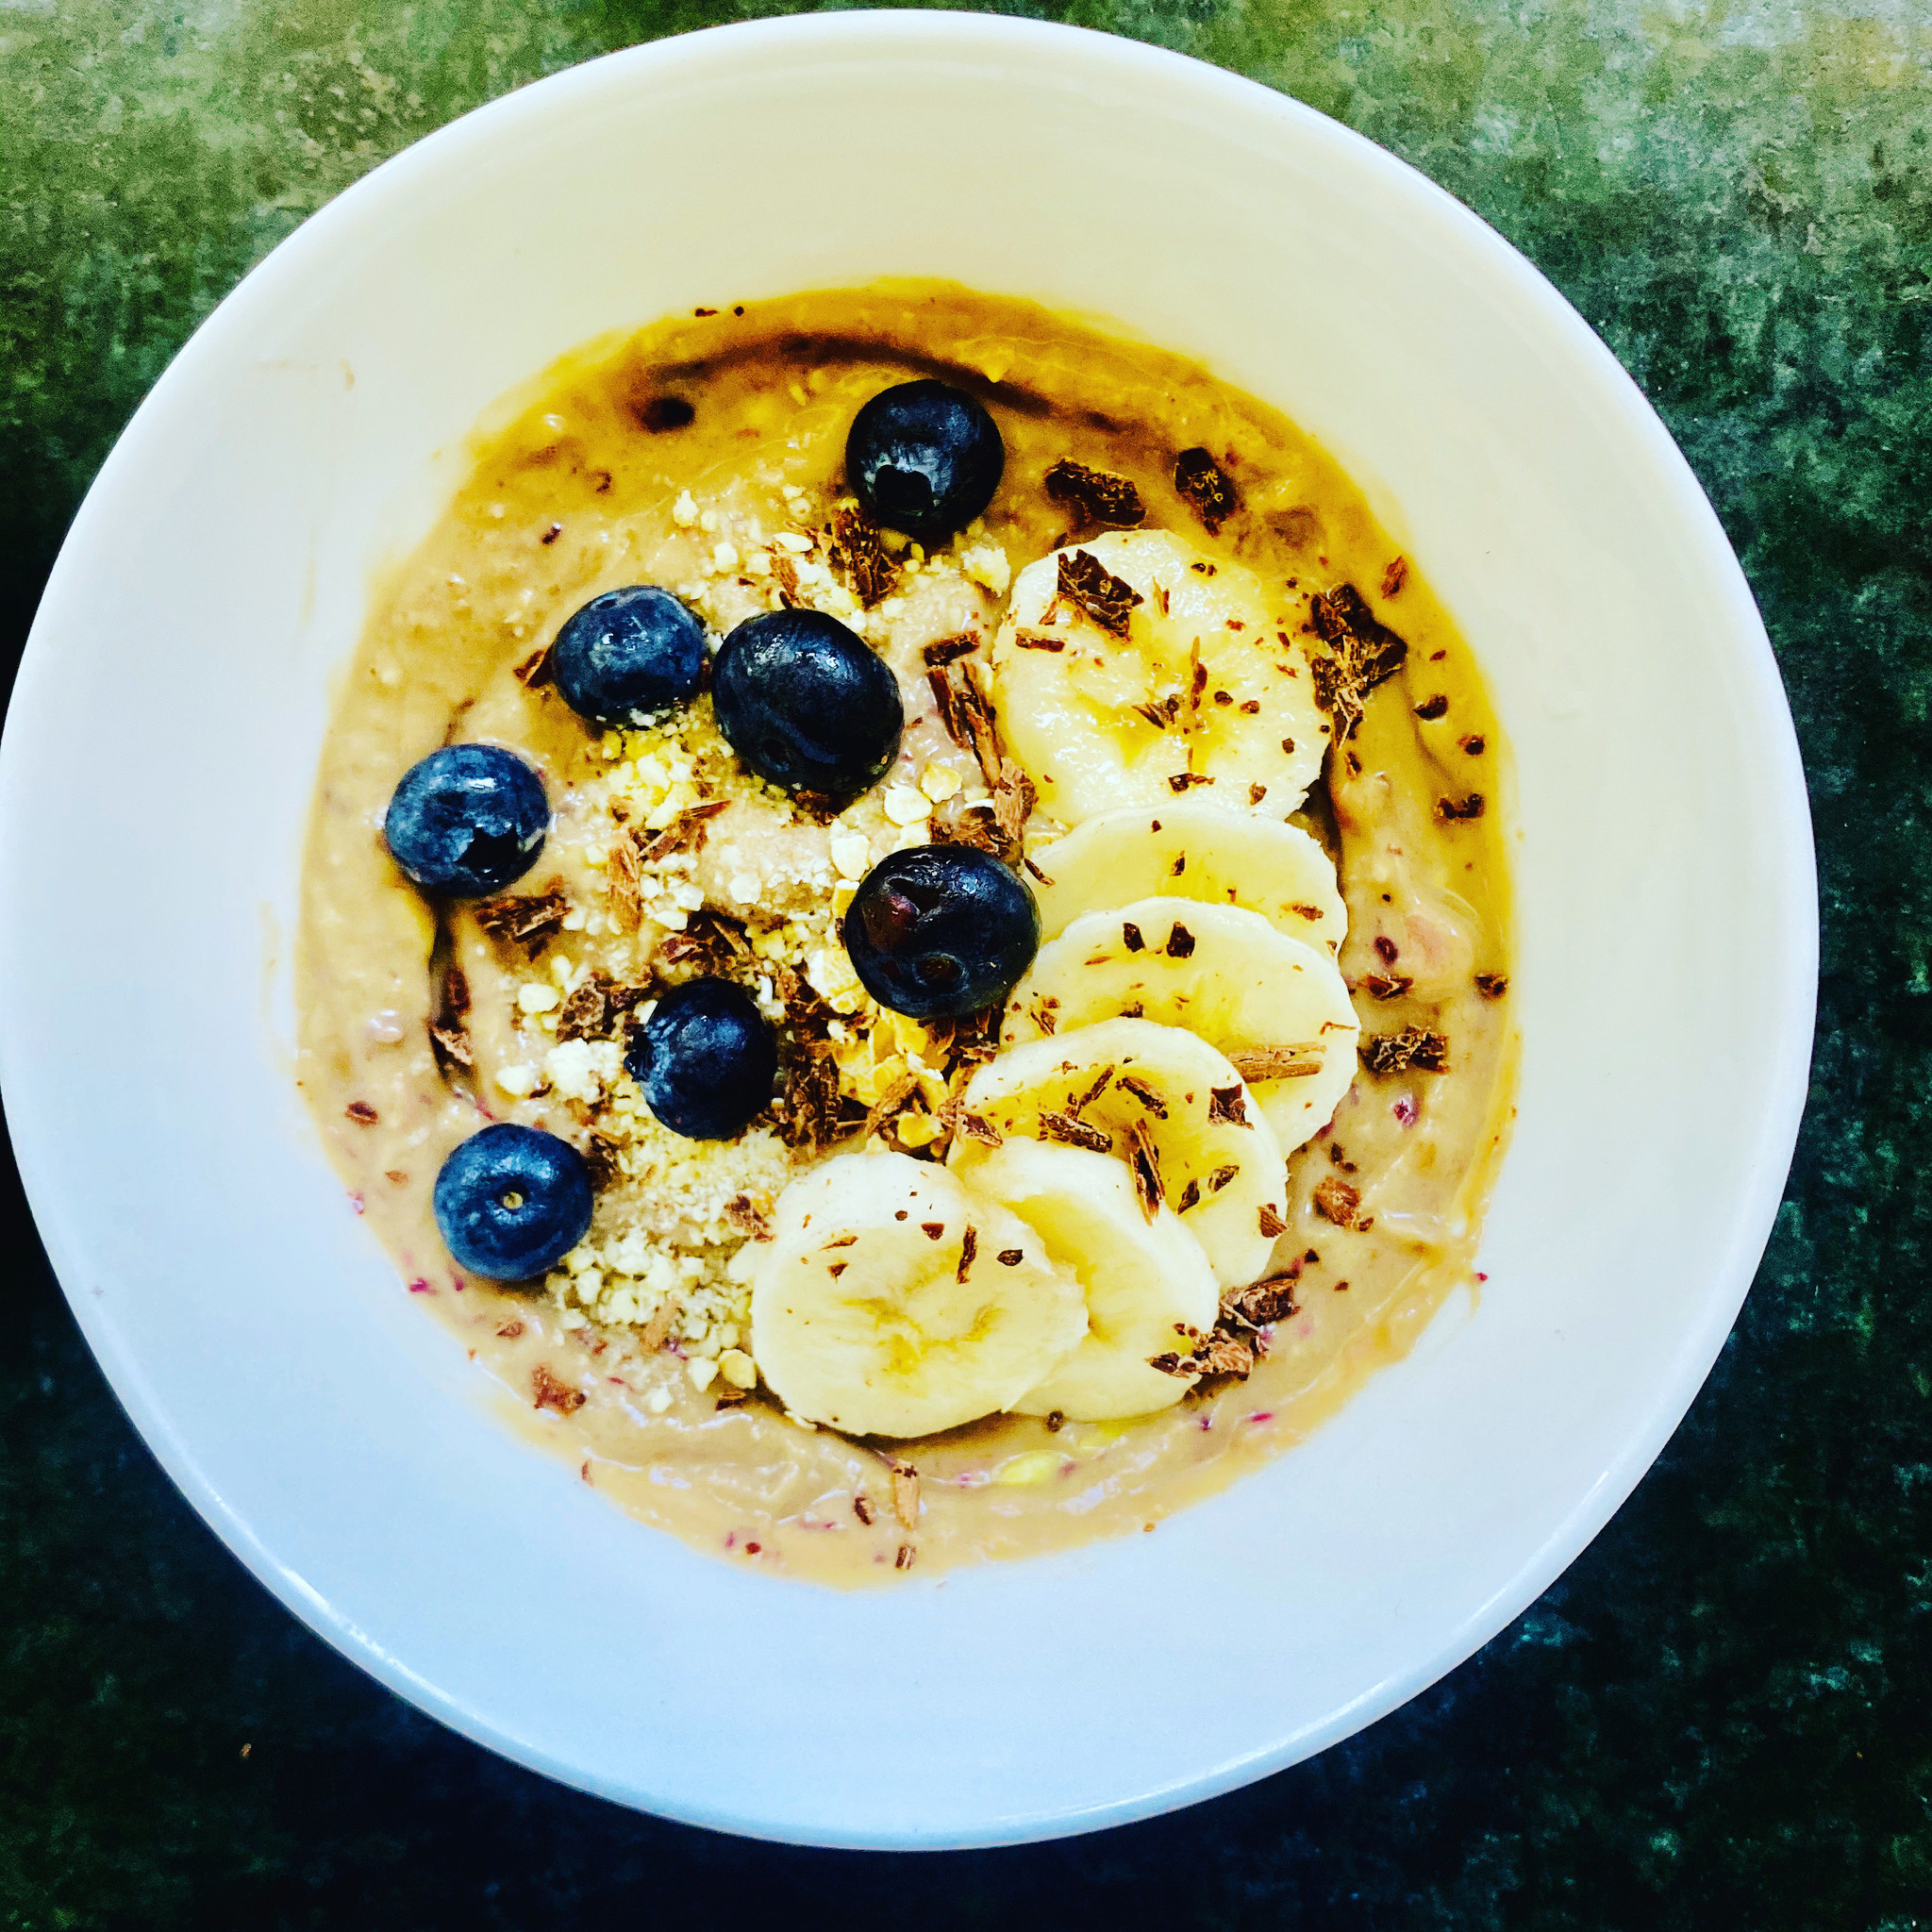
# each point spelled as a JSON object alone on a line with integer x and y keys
{"x": 882, "y": 889}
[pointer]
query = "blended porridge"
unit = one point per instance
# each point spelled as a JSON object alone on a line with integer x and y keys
{"x": 906, "y": 931}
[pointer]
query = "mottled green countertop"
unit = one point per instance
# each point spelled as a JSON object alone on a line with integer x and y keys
{"x": 1719, "y": 1718}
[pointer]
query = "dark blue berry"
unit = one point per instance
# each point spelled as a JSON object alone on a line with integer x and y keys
{"x": 704, "y": 1059}
{"x": 628, "y": 655}
{"x": 806, "y": 704}
{"x": 925, "y": 458}
{"x": 467, "y": 821}
{"x": 940, "y": 930}
{"x": 512, "y": 1201}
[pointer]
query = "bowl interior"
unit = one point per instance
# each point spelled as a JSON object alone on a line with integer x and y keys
{"x": 214, "y": 585}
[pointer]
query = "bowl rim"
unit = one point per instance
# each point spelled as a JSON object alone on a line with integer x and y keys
{"x": 937, "y": 35}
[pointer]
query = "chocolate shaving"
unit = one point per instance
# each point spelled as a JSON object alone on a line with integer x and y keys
{"x": 1260, "y": 1301}
{"x": 975, "y": 825}
{"x": 624, "y": 895}
{"x": 735, "y": 1398}
{"x": 1394, "y": 1053}
{"x": 857, "y": 545}
{"x": 893, "y": 1101}
{"x": 601, "y": 1157}
{"x": 1162, "y": 712}
{"x": 595, "y": 1008}
{"x": 1385, "y": 986}
{"x": 1038, "y": 640}
{"x": 1100, "y": 500}
{"x": 1131, "y": 935}
{"x": 451, "y": 1047}
{"x": 712, "y": 941}
{"x": 743, "y": 1215}
{"x": 552, "y": 1393}
{"x": 1452, "y": 809}
{"x": 905, "y": 1558}
{"x": 1144, "y": 1164}
{"x": 975, "y": 1126}
{"x": 807, "y": 1109}
{"x": 967, "y": 720}
{"x": 1180, "y": 781}
{"x": 530, "y": 920}
{"x": 1075, "y": 1132}
{"x": 785, "y": 574}
{"x": 861, "y": 1508}
{"x": 1012, "y": 803}
{"x": 1492, "y": 985}
{"x": 533, "y": 672}
{"x": 969, "y": 1251}
{"x": 1220, "y": 1176}
{"x": 945, "y": 650}
{"x": 510, "y": 1330}
{"x": 1010, "y": 1258}
{"x": 1366, "y": 652}
{"x": 1270, "y": 1222}
{"x": 1145, "y": 1095}
{"x": 687, "y": 830}
{"x": 1340, "y": 1202}
{"x": 361, "y": 1111}
{"x": 1294, "y": 1061}
{"x": 1228, "y": 1107}
{"x": 1090, "y": 586}
{"x": 1094, "y": 1090}
{"x": 1180, "y": 943}
{"x": 1432, "y": 708}
{"x": 1205, "y": 487}
{"x": 1395, "y": 577}
{"x": 1191, "y": 1197}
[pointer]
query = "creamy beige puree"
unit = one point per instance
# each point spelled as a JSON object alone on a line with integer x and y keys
{"x": 706, "y": 456}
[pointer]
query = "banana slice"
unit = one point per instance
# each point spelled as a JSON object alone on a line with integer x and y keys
{"x": 1192, "y": 851}
{"x": 1157, "y": 1098}
{"x": 890, "y": 1302}
{"x": 1201, "y": 682}
{"x": 1147, "y": 1283}
{"x": 1277, "y": 1006}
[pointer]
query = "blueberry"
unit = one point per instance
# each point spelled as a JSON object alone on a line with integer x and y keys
{"x": 806, "y": 704}
{"x": 940, "y": 930}
{"x": 511, "y": 1202}
{"x": 704, "y": 1059}
{"x": 925, "y": 458}
{"x": 467, "y": 820}
{"x": 629, "y": 655}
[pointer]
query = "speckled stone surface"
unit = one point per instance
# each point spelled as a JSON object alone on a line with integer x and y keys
{"x": 1719, "y": 1718}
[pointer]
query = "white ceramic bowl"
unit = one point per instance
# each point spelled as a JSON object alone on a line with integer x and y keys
{"x": 157, "y": 771}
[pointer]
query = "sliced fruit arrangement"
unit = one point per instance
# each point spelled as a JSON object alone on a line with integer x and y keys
{"x": 1277, "y": 1006}
{"x": 1161, "y": 1100}
{"x": 1192, "y": 851}
{"x": 1136, "y": 667}
{"x": 1147, "y": 1283}
{"x": 891, "y": 1302}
